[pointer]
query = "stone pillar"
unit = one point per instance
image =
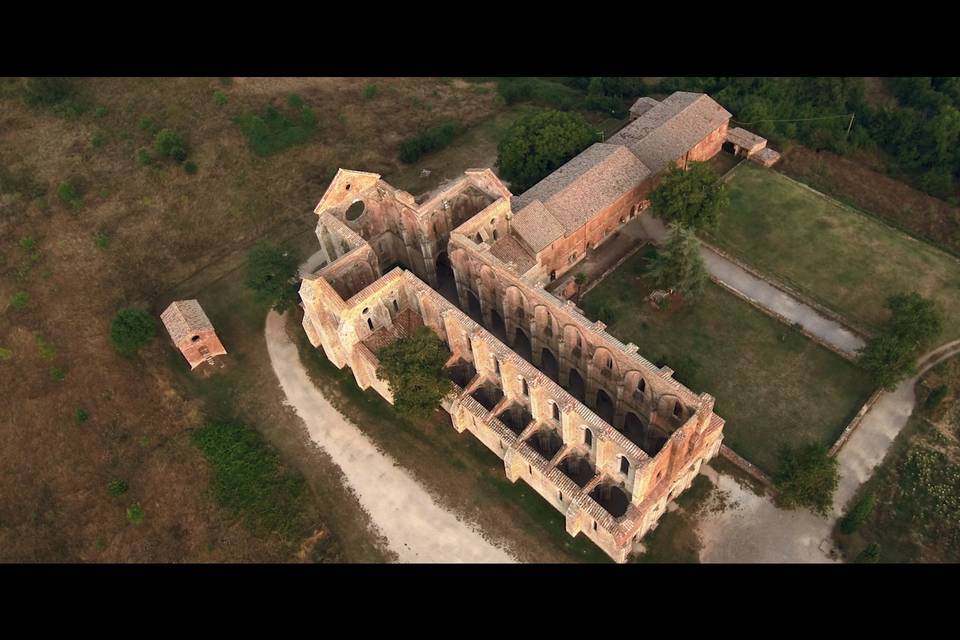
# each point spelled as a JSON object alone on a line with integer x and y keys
{"x": 619, "y": 410}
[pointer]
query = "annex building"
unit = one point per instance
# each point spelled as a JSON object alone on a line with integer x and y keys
{"x": 605, "y": 436}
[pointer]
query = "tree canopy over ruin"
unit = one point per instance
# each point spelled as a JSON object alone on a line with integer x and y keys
{"x": 691, "y": 197}
{"x": 807, "y": 477}
{"x": 538, "y": 143}
{"x": 414, "y": 369}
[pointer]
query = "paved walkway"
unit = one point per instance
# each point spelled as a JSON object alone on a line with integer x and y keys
{"x": 417, "y": 529}
{"x": 754, "y": 530}
{"x": 768, "y": 296}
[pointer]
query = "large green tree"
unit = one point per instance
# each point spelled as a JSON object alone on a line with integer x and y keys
{"x": 678, "y": 265}
{"x": 807, "y": 477}
{"x": 272, "y": 276}
{"x": 414, "y": 369}
{"x": 691, "y": 197}
{"x": 538, "y": 143}
{"x": 891, "y": 355}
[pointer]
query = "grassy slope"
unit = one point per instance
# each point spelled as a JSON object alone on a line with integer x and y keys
{"x": 773, "y": 386}
{"x": 845, "y": 260}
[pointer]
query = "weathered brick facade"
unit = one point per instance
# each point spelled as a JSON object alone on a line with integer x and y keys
{"x": 611, "y": 462}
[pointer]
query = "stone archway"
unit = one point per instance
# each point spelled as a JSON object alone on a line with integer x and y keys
{"x": 446, "y": 280}
{"x": 522, "y": 346}
{"x": 474, "y": 310}
{"x": 604, "y": 406}
{"x": 548, "y": 364}
{"x": 576, "y": 386}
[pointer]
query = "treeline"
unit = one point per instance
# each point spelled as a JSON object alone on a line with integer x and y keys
{"x": 920, "y": 134}
{"x": 612, "y": 96}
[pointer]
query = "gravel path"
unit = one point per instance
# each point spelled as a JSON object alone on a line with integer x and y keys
{"x": 417, "y": 529}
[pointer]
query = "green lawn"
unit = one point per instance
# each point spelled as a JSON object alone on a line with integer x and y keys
{"x": 773, "y": 386}
{"x": 843, "y": 259}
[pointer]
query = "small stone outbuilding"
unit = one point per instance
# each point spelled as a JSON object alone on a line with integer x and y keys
{"x": 191, "y": 332}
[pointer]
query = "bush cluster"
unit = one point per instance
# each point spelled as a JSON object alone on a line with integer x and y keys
{"x": 433, "y": 139}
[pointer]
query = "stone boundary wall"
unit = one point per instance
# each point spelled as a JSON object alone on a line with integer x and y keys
{"x": 857, "y": 419}
{"x": 776, "y": 316}
{"x": 748, "y": 467}
{"x": 790, "y": 291}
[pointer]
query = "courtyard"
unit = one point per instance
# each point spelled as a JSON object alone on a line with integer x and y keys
{"x": 835, "y": 255}
{"x": 772, "y": 385}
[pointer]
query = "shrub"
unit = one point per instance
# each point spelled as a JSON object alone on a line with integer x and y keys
{"x": 47, "y": 92}
{"x": 870, "y": 555}
{"x": 5, "y": 354}
{"x": 272, "y": 276}
{"x": 45, "y": 350}
{"x": 807, "y": 477}
{"x": 538, "y": 143}
{"x": 101, "y": 239}
{"x": 117, "y": 487}
{"x": 859, "y": 514}
{"x": 294, "y": 101}
{"x": 131, "y": 330}
{"x": 68, "y": 193}
{"x": 891, "y": 354}
{"x": 100, "y": 112}
{"x": 190, "y": 167}
{"x": 82, "y": 416}
{"x": 169, "y": 144}
{"x": 57, "y": 374}
{"x": 135, "y": 513}
{"x": 936, "y": 397}
{"x": 272, "y": 131}
{"x": 369, "y": 91}
{"x": 220, "y": 98}
{"x": 27, "y": 243}
{"x": 20, "y": 300}
{"x": 144, "y": 156}
{"x": 433, "y": 139}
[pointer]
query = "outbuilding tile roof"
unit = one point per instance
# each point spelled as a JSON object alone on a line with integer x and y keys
{"x": 184, "y": 319}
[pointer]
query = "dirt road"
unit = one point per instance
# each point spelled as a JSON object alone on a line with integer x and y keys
{"x": 417, "y": 529}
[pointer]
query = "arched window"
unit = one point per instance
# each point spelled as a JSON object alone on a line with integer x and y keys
{"x": 520, "y": 313}
{"x": 396, "y": 307}
{"x": 588, "y": 437}
{"x": 561, "y": 496}
{"x": 609, "y": 363}
{"x": 579, "y": 340}
{"x": 556, "y": 412}
{"x": 526, "y": 389}
{"x": 496, "y": 365}
{"x": 677, "y": 410}
{"x": 624, "y": 465}
{"x": 642, "y": 386}
{"x": 594, "y": 525}
{"x": 479, "y": 239}
{"x": 494, "y": 234}
{"x": 370, "y": 323}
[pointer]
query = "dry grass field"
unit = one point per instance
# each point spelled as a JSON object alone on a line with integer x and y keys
{"x": 141, "y": 235}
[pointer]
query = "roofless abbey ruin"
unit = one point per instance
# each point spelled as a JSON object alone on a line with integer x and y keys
{"x": 601, "y": 433}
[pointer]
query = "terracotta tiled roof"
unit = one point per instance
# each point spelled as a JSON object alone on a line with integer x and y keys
{"x": 184, "y": 319}
{"x": 588, "y": 183}
{"x": 642, "y": 105}
{"x": 537, "y": 226}
{"x": 747, "y": 140}
{"x": 667, "y": 131}
{"x": 510, "y": 251}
